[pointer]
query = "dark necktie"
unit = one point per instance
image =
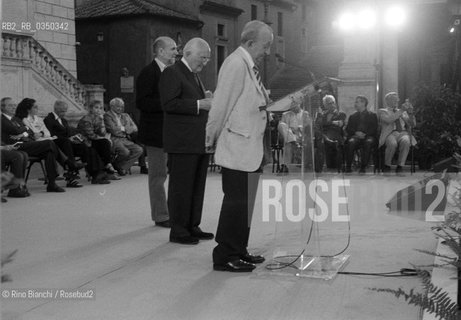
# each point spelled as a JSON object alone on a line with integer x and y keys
{"x": 199, "y": 83}
{"x": 258, "y": 76}
{"x": 398, "y": 125}
{"x": 261, "y": 85}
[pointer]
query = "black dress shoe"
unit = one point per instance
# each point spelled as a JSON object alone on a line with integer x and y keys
{"x": 17, "y": 193}
{"x": 203, "y": 235}
{"x": 26, "y": 190}
{"x": 184, "y": 240}
{"x": 163, "y": 224}
{"x": 235, "y": 266}
{"x": 252, "y": 258}
{"x": 54, "y": 188}
{"x": 4, "y": 200}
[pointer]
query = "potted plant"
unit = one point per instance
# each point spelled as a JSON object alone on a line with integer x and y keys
{"x": 437, "y": 112}
{"x": 436, "y": 300}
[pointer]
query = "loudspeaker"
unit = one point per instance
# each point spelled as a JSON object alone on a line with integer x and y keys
{"x": 446, "y": 164}
{"x": 426, "y": 194}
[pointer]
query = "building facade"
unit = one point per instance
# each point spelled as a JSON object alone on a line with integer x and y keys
{"x": 127, "y": 32}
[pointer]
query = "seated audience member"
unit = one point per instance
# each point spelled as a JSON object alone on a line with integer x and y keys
{"x": 27, "y": 111}
{"x": 294, "y": 127}
{"x": 13, "y": 130}
{"x": 396, "y": 125}
{"x": 73, "y": 142}
{"x": 361, "y": 130}
{"x": 94, "y": 134}
{"x": 121, "y": 127}
{"x": 332, "y": 122}
{"x": 17, "y": 162}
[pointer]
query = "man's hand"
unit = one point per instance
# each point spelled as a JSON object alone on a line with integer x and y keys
{"x": 205, "y": 104}
{"x": 338, "y": 123}
{"x": 210, "y": 149}
{"x": 408, "y": 107}
{"x": 17, "y": 136}
{"x": 8, "y": 147}
{"x": 360, "y": 135}
{"x": 208, "y": 94}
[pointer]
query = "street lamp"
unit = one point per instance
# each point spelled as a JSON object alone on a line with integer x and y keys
{"x": 366, "y": 20}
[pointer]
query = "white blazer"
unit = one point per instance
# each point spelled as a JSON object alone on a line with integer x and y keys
{"x": 236, "y": 125}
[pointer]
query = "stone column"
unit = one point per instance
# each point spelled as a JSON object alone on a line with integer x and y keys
{"x": 357, "y": 72}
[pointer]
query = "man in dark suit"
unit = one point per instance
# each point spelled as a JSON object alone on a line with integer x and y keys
{"x": 151, "y": 126}
{"x": 186, "y": 106}
{"x": 332, "y": 122}
{"x": 362, "y": 130}
{"x": 14, "y": 131}
{"x": 69, "y": 140}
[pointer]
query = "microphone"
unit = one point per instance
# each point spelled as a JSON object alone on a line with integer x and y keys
{"x": 280, "y": 58}
{"x": 283, "y": 60}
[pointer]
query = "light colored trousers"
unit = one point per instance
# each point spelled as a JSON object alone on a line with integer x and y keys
{"x": 156, "y": 160}
{"x": 394, "y": 140}
{"x": 289, "y": 148}
{"x": 127, "y": 153}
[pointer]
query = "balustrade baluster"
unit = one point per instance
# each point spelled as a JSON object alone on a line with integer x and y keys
{"x": 6, "y": 47}
{"x": 19, "y": 52}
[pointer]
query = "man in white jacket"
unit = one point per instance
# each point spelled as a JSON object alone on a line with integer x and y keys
{"x": 235, "y": 129}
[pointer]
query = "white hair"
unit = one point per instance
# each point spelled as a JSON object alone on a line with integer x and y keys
{"x": 194, "y": 45}
{"x": 116, "y": 102}
{"x": 252, "y": 29}
{"x": 328, "y": 98}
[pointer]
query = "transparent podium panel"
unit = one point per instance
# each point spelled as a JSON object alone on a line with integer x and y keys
{"x": 309, "y": 231}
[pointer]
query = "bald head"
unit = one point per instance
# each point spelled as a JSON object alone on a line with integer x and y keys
{"x": 165, "y": 50}
{"x": 257, "y": 38}
{"x": 197, "y": 54}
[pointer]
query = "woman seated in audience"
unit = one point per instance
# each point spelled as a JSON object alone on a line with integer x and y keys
{"x": 27, "y": 112}
{"x": 95, "y": 135}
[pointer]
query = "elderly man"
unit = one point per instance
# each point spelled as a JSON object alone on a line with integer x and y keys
{"x": 332, "y": 122}
{"x": 294, "y": 127}
{"x": 362, "y": 130}
{"x": 121, "y": 126}
{"x": 396, "y": 126}
{"x": 151, "y": 126}
{"x": 236, "y": 128}
{"x": 186, "y": 104}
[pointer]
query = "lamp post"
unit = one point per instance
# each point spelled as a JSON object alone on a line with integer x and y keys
{"x": 377, "y": 21}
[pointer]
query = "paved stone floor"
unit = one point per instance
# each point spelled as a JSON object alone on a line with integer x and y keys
{"x": 101, "y": 238}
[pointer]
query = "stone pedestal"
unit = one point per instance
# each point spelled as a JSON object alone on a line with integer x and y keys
{"x": 94, "y": 92}
{"x": 360, "y": 69}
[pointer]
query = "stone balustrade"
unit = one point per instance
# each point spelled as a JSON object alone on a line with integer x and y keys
{"x": 27, "y": 49}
